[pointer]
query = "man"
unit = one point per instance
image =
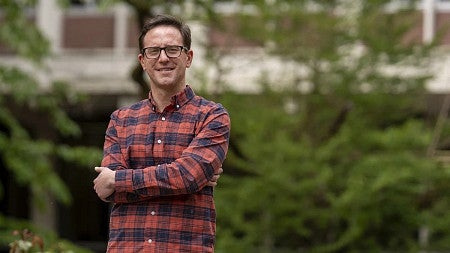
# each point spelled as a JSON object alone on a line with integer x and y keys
{"x": 163, "y": 155}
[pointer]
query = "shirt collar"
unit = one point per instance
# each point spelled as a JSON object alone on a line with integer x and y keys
{"x": 177, "y": 101}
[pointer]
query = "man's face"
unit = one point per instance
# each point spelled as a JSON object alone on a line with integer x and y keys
{"x": 164, "y": 72}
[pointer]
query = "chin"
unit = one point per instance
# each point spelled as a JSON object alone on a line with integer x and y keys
{"x": 167, "y": 83}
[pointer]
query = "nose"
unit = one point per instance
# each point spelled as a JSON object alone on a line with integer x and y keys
{"x": 163, "y": 56}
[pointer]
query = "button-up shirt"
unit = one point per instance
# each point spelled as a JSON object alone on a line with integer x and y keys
{"x": 163, "y": 162}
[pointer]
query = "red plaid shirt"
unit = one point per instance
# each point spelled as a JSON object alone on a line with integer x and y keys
{"x": 163, "y": 162}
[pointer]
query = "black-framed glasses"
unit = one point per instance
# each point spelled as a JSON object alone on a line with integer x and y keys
{"x": 171, "y": 51}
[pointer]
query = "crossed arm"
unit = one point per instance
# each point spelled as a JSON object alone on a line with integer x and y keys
{"x": 104, "y": 183}
{"x": 199, "y": 166}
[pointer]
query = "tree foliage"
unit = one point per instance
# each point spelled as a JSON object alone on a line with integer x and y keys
{"x": 33, "y": 118}
{"x": 345, "y": 168}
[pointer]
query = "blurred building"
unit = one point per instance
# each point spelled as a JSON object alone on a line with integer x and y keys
{"x": 95, "y": 51}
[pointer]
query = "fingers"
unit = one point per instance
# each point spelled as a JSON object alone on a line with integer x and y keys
{"x": 215, "y": 178}
{"x": 212, "y": 184}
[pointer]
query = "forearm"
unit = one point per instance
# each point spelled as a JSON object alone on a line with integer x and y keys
{"x": 186, "y": 175}
{"x": 141, "y": 194}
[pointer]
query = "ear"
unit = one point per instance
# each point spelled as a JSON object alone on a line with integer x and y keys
{"x": 141, "y": 61}
{"x": 190, "y": 56}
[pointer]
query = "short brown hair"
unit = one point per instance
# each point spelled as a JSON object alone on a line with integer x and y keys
{"x": 166, "y": 20}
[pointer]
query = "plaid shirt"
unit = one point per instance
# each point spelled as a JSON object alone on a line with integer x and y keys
{"x": 163, "y": 162}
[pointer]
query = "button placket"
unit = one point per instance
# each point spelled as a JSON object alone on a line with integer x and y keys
{"x": 162, "y": 125}
{"x": 160, "y": 131}
{"x": 150, "y": 236}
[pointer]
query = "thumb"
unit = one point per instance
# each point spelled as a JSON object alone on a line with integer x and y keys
{"x": 99, "y": 169}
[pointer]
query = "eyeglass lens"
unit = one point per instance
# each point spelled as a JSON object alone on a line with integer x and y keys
{"x": 171, "y": 51}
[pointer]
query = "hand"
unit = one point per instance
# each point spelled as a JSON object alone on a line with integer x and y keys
{"x": 213, "y": 181}
{"x": 104, "y": 183}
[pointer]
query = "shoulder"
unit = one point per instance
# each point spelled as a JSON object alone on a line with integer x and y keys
{"x": 211, "y": 113}
{"x": 208, "y": 106}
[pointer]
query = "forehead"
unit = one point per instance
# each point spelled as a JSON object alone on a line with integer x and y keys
{"x": 163, "y": 35}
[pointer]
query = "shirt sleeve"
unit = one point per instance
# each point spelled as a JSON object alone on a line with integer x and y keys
{"x": 186, "y": 175}
{"x": 112, "y": 153}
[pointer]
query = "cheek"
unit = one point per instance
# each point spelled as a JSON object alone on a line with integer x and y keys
{"x": 146, "y": 66}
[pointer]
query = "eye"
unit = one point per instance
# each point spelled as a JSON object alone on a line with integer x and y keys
{"x": 172, "y": 49}
{"x": 152, "y": 50}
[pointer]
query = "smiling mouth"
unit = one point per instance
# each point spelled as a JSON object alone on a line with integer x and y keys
{"x": 165, "y": 69}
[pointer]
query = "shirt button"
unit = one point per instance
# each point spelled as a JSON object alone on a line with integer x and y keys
{"x": 159, "y": 141}
{"x": 178, "y": 106}
{"x": 149, "y": 241}
{"x": 163, "y": 118}
{"x": 153, "y": 213}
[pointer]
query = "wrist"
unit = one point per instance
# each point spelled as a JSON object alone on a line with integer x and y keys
{"x": 112, "y": 181}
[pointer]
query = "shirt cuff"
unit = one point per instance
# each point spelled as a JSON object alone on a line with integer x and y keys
{"x": 123, "y": 181}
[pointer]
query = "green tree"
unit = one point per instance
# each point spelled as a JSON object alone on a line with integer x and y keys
{"x": 28, "y": 151}
{"x": 345, "y": 168}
